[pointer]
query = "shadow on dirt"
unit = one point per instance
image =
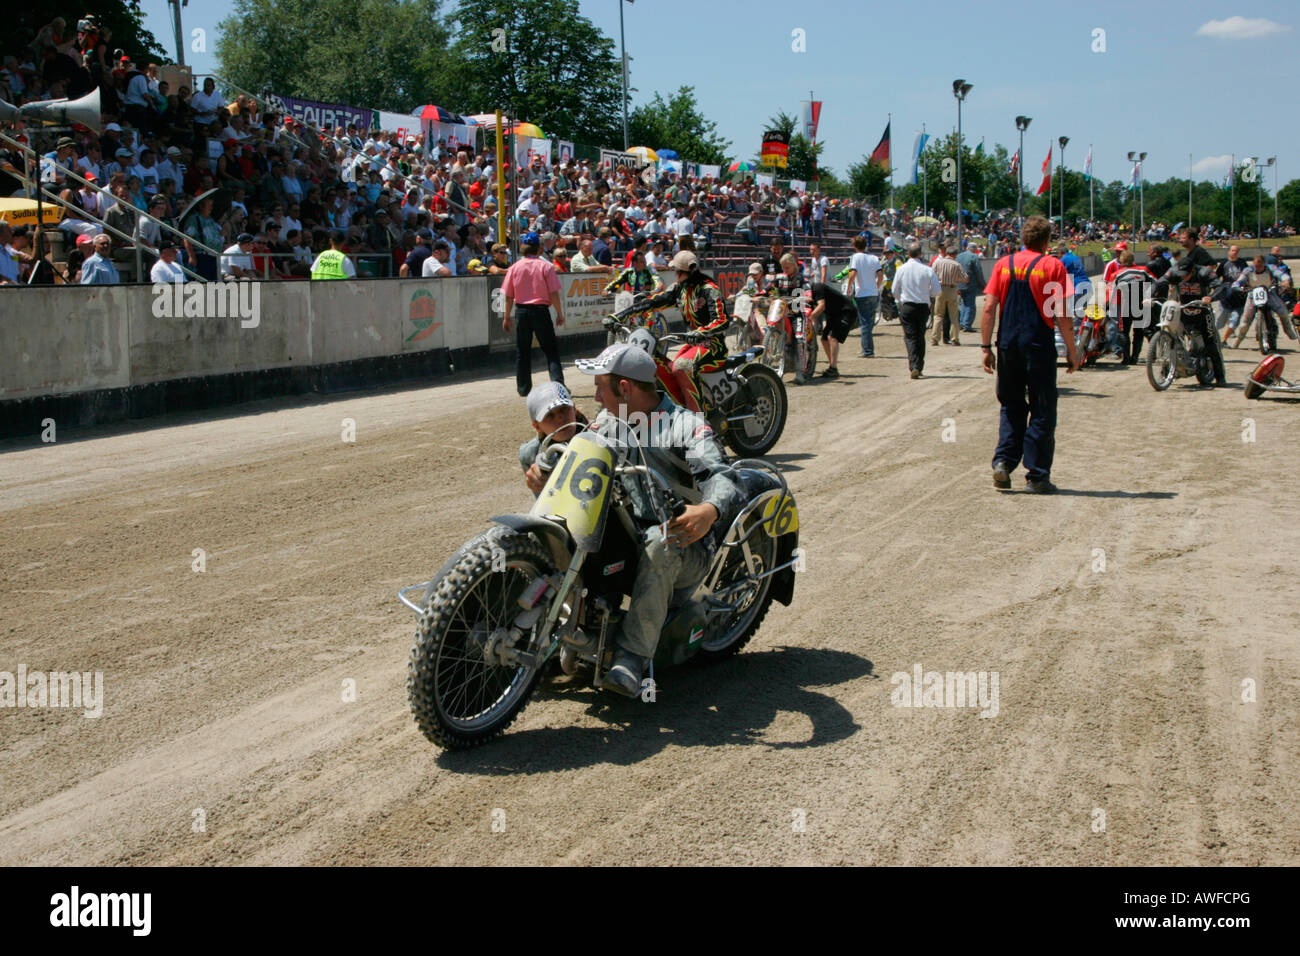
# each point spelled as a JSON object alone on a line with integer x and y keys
{"x": 695, "y": 706}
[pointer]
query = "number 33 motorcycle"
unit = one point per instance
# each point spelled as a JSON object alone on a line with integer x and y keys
{"x": 551, "y": 584}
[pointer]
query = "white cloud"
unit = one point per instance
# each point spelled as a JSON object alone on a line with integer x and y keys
{"x": 1212, "y": 166}
{"x": 1240, "y": 28}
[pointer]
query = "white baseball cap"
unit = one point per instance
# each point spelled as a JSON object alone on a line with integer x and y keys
{"x": 545, "y": 397}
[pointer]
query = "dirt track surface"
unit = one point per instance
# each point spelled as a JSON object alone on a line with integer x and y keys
{"x": 1120, "y": 691}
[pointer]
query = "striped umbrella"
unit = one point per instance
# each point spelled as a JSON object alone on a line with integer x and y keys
{"x": 740, "y": 166}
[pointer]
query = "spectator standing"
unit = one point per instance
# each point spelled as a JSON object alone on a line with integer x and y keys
{"x": 203, "y": 228}
{"x": 818, "y": 264}
{"x": 531, "y": 286}
{"x": 914, "y": 284}
{"x": 951, "y": 277}
{"x": 864, "y": 270}
{"x": 166, "y": 269}
{"x": 969, "y": 290}
{"x": 1025, "y": 362}
{"x": 99, "y": 268}
{"x": 333, "y": 263}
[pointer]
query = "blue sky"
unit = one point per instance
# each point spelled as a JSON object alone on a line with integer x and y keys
{"x": 864, "y": 60}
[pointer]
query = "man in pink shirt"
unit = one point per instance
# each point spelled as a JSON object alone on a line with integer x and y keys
{"x": 531, "y": 286}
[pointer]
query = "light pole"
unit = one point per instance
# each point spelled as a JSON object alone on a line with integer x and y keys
{"x": 959, "y": 89}
{"x": 1062, "y": 141}
{"x": 623, "y": 48}
{"x": 1273, "y": 162}
{"x": 1259, "y": 195}
{"x": 1022, "y": 124}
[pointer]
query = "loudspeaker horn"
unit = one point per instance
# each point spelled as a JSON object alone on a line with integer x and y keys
{"x": 65, "y": 112}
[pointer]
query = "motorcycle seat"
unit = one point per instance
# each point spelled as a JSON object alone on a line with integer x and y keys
{"x": 743, "y": 358}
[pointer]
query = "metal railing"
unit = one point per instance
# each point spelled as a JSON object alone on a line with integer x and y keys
{"x": 56, "y": 200}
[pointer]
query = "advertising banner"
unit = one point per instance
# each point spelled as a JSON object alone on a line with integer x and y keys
{"x": 320, "y": 115}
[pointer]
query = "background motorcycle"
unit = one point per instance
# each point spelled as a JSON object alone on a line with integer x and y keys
{"x": 1175, "y": 352}
{"x": 791, "y": 339}
{"x": 744, "y": 401}
{"x": 553, "y": 581}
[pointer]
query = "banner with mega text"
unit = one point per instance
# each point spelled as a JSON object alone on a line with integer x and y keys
{"x": 764, "y": 179}
{"x": 527, "y": 149}
{"x": 714, "y": 171}
{"x": 320, "y": 115}
{"x": 585, "y": 305}
{"x": 563, "y": 151}
{"x": 670, "y": 166}
{"x": 798, "y": 186}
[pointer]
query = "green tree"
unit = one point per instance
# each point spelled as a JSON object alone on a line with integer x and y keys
{"x": 804, "y": 157}
{"x": 383, "y": 54}
{"x": 123, "y": 17}
{"x": 1288, "y": 201}
{"x": 678, "y": 124}
{"x": 869, "y": 180}
{"x": 551, "y": 66}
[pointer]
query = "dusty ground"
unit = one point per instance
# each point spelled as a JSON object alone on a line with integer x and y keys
{"x": 1120, "y": 689}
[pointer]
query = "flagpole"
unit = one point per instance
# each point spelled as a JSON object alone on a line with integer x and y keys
{"x": 925, "y": 178}
{"x": 889, "y": 119}
{"x": 1232, "y": 196}
{"x": 1090, "y": 215}
{"x": 986, "y": 179}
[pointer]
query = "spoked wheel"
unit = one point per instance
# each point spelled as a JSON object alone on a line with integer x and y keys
{"x": 1161, "y": 366}
{"x": 461, "y": 694}
{"x": 774, "y": 351}
{"x": 807, "y": 360}
{"x": 769, "y": 408}
{"x": 749, "y": 598}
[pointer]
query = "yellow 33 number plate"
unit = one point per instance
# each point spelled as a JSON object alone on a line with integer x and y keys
{"x": 786, "y": 520}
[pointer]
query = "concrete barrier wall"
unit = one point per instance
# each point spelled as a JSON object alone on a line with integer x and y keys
{"x": 63, "y": 339}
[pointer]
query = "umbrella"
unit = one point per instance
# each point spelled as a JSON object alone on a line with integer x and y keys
{"x": 1178, "y": 225}
{"x": 926, "y": 221}
{"x": 437, "y": 114}
{"x": 195, "y": 205}
{"x": 740, "y": 166}
{"x": 644, "y": 153}
{"x": 668, "y": 154}
{"x": 22, "y": 212}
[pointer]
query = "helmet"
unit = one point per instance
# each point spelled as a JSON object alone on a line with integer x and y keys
{"x": 684, "y": 261}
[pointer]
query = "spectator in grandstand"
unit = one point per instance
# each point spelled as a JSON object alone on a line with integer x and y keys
{"x": 166, "y": 269}
{"x": 99, "y": 268}
{"x": 202, "y": 228}
{"x": 438, "y": 265}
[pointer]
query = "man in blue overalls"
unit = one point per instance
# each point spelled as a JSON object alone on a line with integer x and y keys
{"x": 1033, "y": 291}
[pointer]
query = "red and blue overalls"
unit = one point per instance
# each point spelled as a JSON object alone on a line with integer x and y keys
{"x": 1026, "y": 370}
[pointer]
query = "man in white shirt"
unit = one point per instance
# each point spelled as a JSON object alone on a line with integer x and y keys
{"x": 147, "y": 171}
{"x": 818, "y": 264}
{"x": 862, "y": 288}
{"x": 914, "y": 284}
{"x": 237, "y": 260}
{"x": 170, "y": 168}
{"x": 439, "y": 264}
{"x": 206, "y": 104}
{"x": 166, "y": 269}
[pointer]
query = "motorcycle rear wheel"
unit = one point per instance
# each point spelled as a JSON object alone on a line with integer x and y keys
{"x": 774, "y": 351}
{"x": 1161, "y": 367}
{"x": 459, "y": 699}
{"x": 769, "y": 407}
{"x": 734, "y": 631}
